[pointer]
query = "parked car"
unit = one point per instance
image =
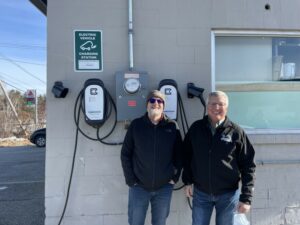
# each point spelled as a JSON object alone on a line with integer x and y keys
{"x": 38, "y": 137}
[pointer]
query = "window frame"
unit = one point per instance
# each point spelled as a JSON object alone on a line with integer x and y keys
{"x": 250, "y": 33}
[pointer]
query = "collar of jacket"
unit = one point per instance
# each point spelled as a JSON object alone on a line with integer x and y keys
{"x": 226, "y": 123}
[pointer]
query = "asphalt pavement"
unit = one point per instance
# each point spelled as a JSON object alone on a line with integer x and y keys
{"x": 22, "y": 182}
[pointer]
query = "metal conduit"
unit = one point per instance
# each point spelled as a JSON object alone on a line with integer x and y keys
{"x": 130, "y": 33}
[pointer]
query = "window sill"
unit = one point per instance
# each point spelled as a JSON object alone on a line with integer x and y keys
{"x": 258, "y": 86}
{"x": 270, "y": 136}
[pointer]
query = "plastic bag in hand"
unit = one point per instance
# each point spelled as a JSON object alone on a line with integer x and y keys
{"x": 240, "y": 219}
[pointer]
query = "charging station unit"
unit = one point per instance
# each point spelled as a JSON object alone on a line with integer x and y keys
{"x": 169, "y": 88}
{"x": 94, "y": 102}
{"x": 131, "y": 94}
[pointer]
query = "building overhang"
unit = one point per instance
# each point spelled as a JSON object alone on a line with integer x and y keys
{"x": 41, "y": 5}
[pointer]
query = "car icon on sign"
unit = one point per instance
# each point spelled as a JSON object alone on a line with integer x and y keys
{"x": 88, "y": 46}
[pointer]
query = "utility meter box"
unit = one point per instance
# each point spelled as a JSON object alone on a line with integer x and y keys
{"x": 131, "y": 94}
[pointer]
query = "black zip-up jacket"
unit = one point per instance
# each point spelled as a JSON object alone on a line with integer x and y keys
{"x": 216, "y": 163}
{"x": 151, "y": 154}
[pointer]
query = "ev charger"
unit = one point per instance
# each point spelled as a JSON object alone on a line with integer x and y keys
{"x": 94, "y": 102}
{"x": 169, "y": 88}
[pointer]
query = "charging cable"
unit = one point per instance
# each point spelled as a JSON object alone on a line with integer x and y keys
{"x": 78, "y": 108}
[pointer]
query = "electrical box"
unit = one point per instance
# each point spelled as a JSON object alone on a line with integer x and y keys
{"x": 131, "y": 94}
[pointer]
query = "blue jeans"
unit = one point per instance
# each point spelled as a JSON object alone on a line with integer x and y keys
{"x": 139, "y": 200}
{"x": 203, "y": 205}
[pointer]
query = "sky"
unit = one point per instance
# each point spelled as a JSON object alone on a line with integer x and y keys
{"x": 22, "y": 46}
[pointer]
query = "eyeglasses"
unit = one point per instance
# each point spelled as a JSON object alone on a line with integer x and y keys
{"x": 214, "y": 104}
{"x": 158, "y": 100}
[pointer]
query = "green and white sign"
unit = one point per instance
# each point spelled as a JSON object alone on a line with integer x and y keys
{"x": 88, "y": 50}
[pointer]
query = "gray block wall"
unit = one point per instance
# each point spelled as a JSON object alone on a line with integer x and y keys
{"x": 172, "y": 39}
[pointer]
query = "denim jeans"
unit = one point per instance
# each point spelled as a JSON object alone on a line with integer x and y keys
{"x": 203, "y": 205}
{"x": 139, "y": 200}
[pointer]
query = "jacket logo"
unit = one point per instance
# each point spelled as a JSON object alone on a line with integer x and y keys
{"x": 226, "y": 138}
{"x": 168, "y": 130}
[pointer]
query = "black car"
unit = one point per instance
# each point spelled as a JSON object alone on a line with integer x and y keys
{"x": 38, "y": 137}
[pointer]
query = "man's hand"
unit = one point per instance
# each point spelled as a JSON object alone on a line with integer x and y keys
{"x": 188, "y": 189}
{"x": 243, "y": 208}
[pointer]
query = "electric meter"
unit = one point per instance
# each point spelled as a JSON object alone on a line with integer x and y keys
{"x": 131, "y": 93}
{"x": 132, "y": 85}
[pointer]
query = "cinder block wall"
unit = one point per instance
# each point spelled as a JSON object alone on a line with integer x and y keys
{"x": 172, "y": 39}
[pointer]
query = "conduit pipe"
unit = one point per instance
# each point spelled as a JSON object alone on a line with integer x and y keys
{"x": 130, "y": 33}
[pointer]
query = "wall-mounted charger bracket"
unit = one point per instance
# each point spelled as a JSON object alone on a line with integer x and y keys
{"x": 59, "y": 90}
{"x": 193, "y": 91}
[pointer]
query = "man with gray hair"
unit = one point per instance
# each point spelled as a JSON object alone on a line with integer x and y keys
{"x": 218, "y": 154}
{"x": 152, "y": 161}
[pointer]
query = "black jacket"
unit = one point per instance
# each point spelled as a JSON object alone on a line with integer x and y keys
{"x": 151, "y": 154}
{"x": 216, "y": 163}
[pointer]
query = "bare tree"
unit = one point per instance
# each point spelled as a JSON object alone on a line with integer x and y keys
{"x": 26, "y": 114}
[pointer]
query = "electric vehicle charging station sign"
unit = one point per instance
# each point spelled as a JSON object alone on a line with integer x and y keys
{"x": 88, "y": 50}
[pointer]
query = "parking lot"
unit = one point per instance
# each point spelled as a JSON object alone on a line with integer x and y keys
{"x": 22, "y": 181}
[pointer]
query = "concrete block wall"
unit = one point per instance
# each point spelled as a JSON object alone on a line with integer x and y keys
{"x": 277, "y": 199}
{"x": 172, "y": 39}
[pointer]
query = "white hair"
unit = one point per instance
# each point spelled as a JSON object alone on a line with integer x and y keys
{"x": 218, "y": 94}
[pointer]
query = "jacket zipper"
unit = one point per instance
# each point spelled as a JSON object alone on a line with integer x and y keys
{"x": 209, "y": 164}
{"x": 209, "y": 170}
{"x": 154, "y": 157}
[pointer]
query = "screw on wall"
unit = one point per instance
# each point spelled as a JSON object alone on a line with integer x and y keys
{"x": 267, "y": 7}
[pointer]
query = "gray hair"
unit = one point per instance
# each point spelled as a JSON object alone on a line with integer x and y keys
{"x": 218, "y": 94}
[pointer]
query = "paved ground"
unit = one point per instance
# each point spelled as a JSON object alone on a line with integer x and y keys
{"x": 22, "y": 181}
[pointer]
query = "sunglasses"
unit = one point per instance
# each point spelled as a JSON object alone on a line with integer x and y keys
{"x": 153, "y": 100}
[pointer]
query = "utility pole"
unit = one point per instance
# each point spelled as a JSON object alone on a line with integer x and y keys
{"x": 36, "y": 109}
{"x": 12, "y": 107}
{"x": 31, "y": 100}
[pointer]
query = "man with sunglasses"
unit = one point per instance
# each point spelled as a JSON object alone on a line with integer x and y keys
{"x": 151, "y": 160}
{"x": 218, "y": 154}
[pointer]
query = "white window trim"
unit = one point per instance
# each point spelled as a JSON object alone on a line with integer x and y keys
{"x": 255, "y": 33}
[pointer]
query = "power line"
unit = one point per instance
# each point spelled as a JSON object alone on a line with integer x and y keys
{"x": 39, "y": 64}
{"x": 17, "y": 85}
{"x": 9, "y": 78}
{"x": 13, "y": 86}
{"x": 21, "y": 90}
{"x": 23, "y": 69}
{"x": 22, "y": 46}
{"x": 24, "y": 85}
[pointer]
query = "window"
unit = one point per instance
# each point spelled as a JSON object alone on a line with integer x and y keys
{"x": 261, "y": 75}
